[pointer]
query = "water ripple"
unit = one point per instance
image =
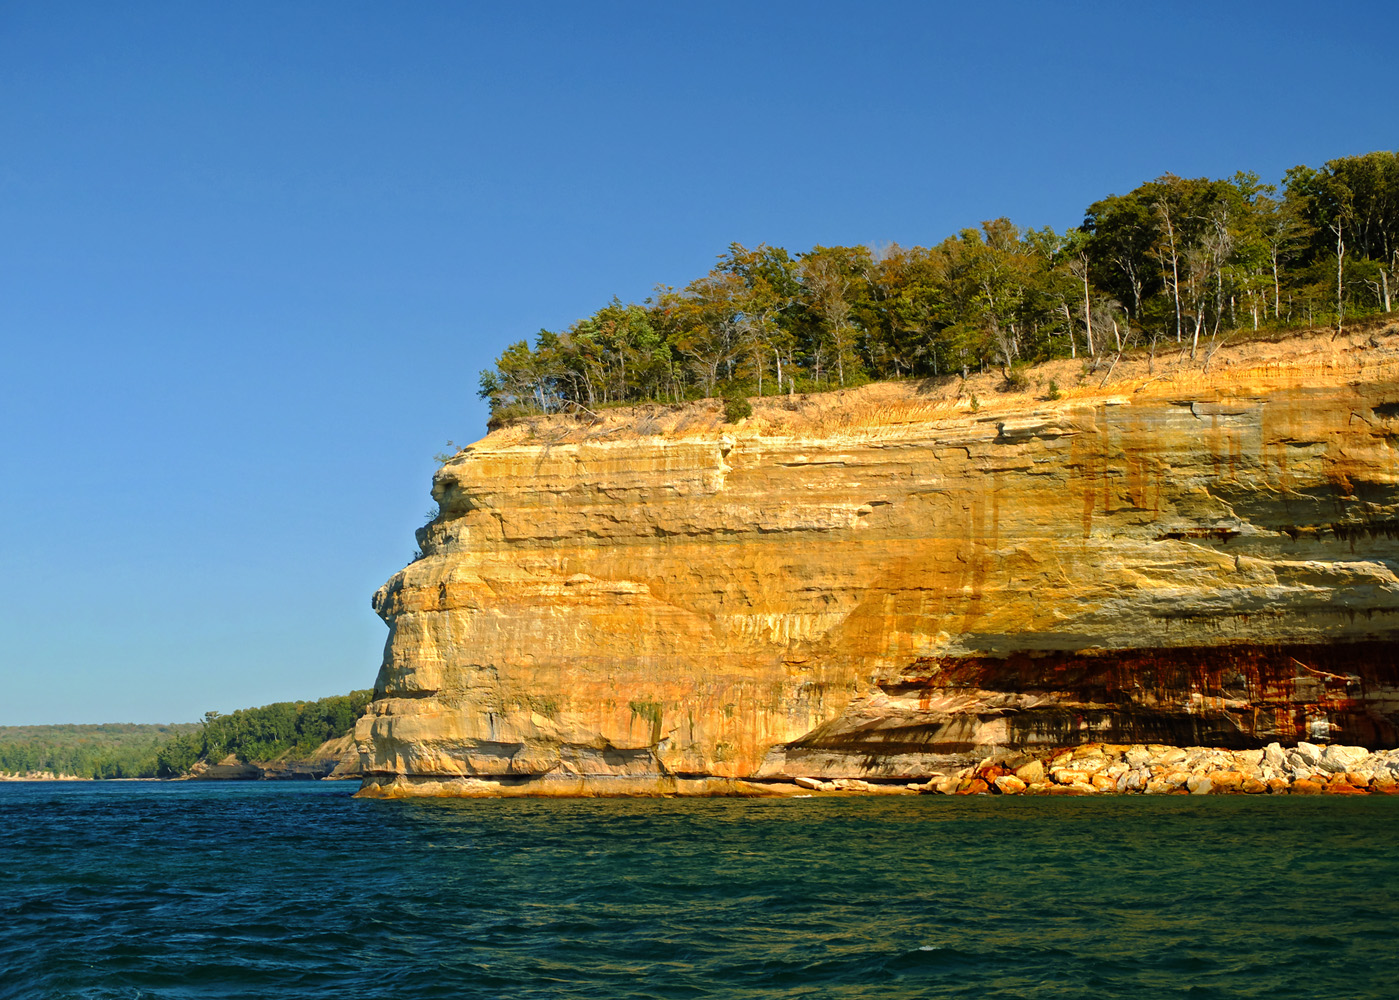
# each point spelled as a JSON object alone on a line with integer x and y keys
{"x": 179, "y": 891}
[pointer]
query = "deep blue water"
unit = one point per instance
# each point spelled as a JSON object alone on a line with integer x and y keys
{"x": 296, "y": 890}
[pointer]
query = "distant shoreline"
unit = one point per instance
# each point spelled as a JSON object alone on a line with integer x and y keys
{"x": 71, "y": 777}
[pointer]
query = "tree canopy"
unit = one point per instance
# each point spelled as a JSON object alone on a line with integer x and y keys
{"x": 118, "y": 750}
{"x": 1175, "y": 259}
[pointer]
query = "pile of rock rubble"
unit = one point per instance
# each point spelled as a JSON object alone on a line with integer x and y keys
{"x": 1096, "y": 768}
{"x": 1153, "y": 769}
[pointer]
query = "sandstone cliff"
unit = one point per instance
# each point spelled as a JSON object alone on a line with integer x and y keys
{"x": 885, "y": 582}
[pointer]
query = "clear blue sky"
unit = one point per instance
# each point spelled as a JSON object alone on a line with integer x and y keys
{"x": 253, "y": 255}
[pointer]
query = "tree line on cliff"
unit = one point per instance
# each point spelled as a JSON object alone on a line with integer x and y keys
{"x": 1174, "y": 260}
{"x": 166, "y": 751}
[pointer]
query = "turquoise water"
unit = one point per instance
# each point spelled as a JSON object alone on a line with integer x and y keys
{"x": 145, "y": 890}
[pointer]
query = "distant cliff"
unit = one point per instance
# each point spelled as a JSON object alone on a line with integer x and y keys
{"x": 335, "y": 758}
{"x": 891, "y": 581}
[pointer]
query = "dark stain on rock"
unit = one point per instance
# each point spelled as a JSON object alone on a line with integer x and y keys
{"x": 1237, "y": 696}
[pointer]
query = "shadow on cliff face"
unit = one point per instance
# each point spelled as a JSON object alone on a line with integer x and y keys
{"x": 1239, "y": 696}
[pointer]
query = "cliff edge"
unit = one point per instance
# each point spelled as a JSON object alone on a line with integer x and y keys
{"x": 886, "y": 582}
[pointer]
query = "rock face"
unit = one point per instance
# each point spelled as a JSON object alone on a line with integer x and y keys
{"x": 885, "y": 582}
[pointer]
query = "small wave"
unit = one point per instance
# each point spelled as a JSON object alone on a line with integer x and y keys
{"x": 329, "y": 898}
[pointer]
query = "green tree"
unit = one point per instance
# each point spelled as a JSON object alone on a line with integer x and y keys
{"x": 710, "y": 333}
{"x": 906, "y": 304}
{"x": 176, "y": 756}
{"x": 1328, "y": 203}
{"x": 1123, "y": 233}
{"x": 771, "y": 289}
{"x": 1351, "y": 205}
{"x": 522, "y": 379}
{"x": 833, "y": 280}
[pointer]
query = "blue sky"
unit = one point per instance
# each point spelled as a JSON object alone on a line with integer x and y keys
{"x": 253, "y": 256}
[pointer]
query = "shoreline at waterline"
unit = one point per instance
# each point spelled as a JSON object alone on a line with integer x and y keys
{"x": 1089, "y": 769}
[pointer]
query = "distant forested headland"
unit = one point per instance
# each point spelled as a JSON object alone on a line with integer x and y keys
{"x": 167, "y": 751}
{"x": 1175, "y": 260}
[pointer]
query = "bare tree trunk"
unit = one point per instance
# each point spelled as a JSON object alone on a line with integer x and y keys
{"x": 1087, "y": 314}
{"x": 1277, "y": 288}
{"x": 1175, "y": 266}
{"x": 1393, "y": 269}
{"x": 1003, "y": 345}
{"x": 1069, "y": 323}
{"x": 1218, "y": 299}
{"x": 1340, "y": 262}
{"x": 840, "y": 357}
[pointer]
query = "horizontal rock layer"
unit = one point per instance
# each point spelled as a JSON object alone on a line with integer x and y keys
{"x": 889, "y": 581}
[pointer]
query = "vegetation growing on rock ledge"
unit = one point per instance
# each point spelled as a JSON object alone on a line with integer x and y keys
{"x": 1175, "y": 259}
{"x": 265, "y": 733}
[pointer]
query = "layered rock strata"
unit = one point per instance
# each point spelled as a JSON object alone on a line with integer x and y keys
{"x": 889, "y": 582}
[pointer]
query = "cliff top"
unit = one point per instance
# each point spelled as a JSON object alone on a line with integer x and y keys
{"x": 1238, "y": 366}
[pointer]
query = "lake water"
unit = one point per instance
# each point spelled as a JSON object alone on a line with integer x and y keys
{"x": 182, "y": 890}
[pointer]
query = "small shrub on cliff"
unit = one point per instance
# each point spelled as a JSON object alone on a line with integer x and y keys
{"x": 736, "y": 407}
{"x": 1015, "y": 380}
{"x": 1054, "y": 390}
